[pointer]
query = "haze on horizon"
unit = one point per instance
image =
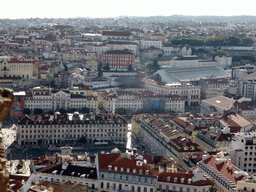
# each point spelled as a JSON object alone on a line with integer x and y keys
{"x": 17, "y": 9}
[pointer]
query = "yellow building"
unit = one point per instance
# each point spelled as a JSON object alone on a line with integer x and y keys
{"x": 158, "y": 37}
{"x": 16, "y": 68}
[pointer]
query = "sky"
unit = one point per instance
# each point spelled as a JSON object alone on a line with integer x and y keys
{"x": 16, "y": 9}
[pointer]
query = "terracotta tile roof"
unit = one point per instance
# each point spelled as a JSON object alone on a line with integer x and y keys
{"x": 119, "y": 160}
{"x": 228, "y": 171}
{"x": 163, "y": 177}
{"x": 234, "y": 121}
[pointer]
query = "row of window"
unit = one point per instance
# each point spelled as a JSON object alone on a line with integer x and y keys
{"x": 180, "y": 189}
{"x": 92, "y": 185}
{"x": 74, "y": 131}
{"x": 74, "y": 136}
{"x": 125, "y": 187}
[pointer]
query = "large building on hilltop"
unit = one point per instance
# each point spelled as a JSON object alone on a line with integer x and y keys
{"x": 68, "y": 128}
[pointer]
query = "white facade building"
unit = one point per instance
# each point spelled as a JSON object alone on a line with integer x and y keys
{"x": 144, "y": 44}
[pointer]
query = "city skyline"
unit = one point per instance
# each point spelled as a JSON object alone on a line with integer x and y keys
{"x": 99, "y": 9}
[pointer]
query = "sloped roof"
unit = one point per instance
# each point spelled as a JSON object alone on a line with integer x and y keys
{"x": 117, "y": 160}
{"x": 186, "y": 176}
{"x": 228, "y": 171}
{"x": 234, "y": 121}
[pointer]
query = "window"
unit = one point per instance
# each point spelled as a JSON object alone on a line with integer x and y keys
{"x": 101, "y": 185}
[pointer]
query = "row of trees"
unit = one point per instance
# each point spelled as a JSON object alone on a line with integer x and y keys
{"x": 214, "y": 41}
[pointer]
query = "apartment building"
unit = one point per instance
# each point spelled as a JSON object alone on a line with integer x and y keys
{"x": 212, "y": 87}
{"x": 247, "y": 184}
{"x": 53, "y": 100}
{"x": 68, "y": 128}
{"x": 117, "y": 35}
{"x": 144, "y": 44}
{"x": 119, "y": 45}
{"x": 243, "y": 151}
{"x": 118, "y": 59}
{"x": 213, "y": 139}
{"x": 190, "y": 61}
{"x": 190, "y": 93}
{"x": 64, "y": 172}
{"x": 125, "y": 172}
{"x": 222, "y": 171}
{"x": 16, "y": 68}
{"x": 137, "y": 100}
{"x": 191, "y": 181}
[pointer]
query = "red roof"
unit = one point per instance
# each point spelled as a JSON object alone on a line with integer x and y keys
{"x": 223, "y": 168}
{"x": 119, "y": 160}
{"x": 162, "y": 177}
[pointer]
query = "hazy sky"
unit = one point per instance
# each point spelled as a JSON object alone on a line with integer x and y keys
{"x": 113, "y": 8}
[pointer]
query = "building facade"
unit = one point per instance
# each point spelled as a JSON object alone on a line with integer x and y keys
{"x": 190, "y": 93}
{"x": 118, "y": 59}
{"x": 54, "y": 100}
{"x": 138, "y": 100}
{"x": 69, "y": 128}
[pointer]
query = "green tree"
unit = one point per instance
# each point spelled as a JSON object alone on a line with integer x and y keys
{"x": 213, "y": 187}
{"x": 121, "y": 111}
{"x": 85, "y": 110}
{"x": 26, "y": 111}
{"x": 71, "y": 110}
{"x": 83, "y": 139}
{"x": 247, "y": 41}
{"x": 106, "y": 67}
{"x": 155, "y": 66}
{"x": 130, "y": 68}
{"x": 52, "y": 83}
{"x": 234, "y": 41}
{"x": 38, "y": 111}
{"x": 62, "y": 111}
{"x": 51, "y": 112}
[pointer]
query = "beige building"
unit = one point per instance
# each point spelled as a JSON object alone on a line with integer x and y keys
{"x": 247, "y": 184}
{"x": 136, "y": 100}
{"x": 68, "y": 128}
{"x": 16, "y": 68}
{"x": 190, "y": 93}
{"x": 53, "y": 100}
{"x": 214, "y": 140}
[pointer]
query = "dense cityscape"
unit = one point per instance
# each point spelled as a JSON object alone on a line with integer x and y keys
{"x": 128, "y": 104}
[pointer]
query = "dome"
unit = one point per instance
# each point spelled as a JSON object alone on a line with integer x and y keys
{"x": 115, "y": 151}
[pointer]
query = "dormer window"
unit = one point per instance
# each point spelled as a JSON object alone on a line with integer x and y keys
{"x": 168, "y": 178}
{"x": 116, "y": 168}
{"x": 175, "y": 179}
{"x": 128, "y": 170}
{"x": 182, "y": 180}
{"x": 147, "y": 172}
{"x": 189, "y": 181}
{"x": 134, "y": 170}
{"x": 109, "y": 167}
{"x": 122, "y": 169}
